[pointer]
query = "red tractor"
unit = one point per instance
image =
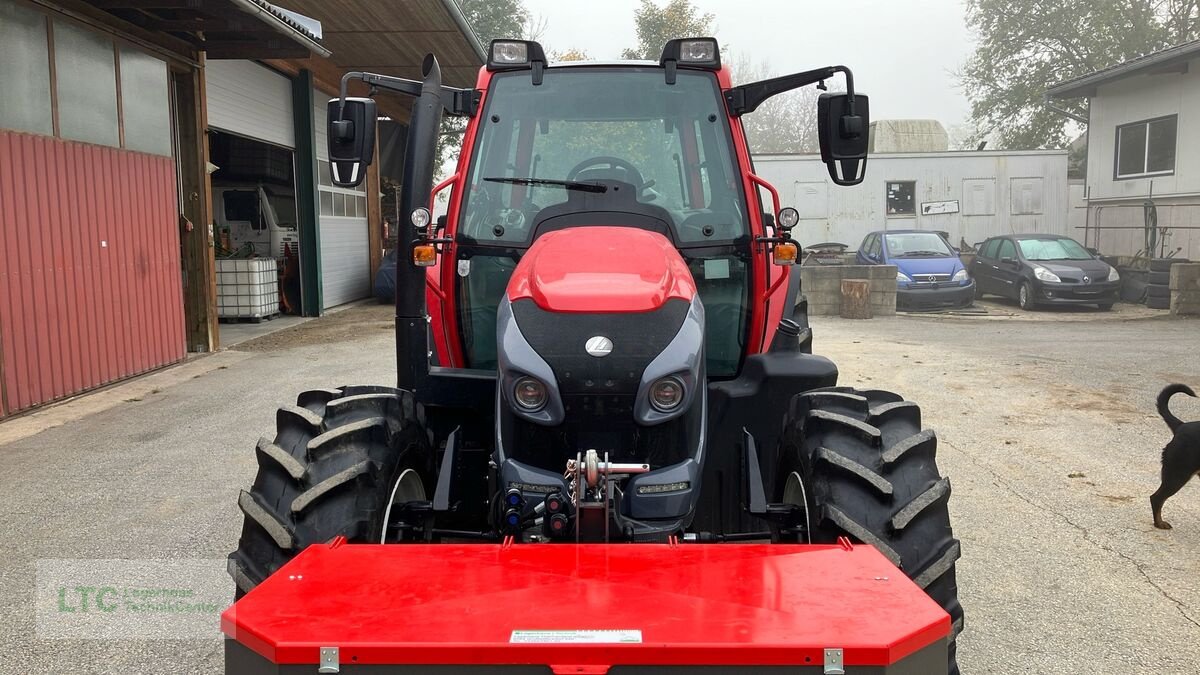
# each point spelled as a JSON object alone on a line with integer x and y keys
{"x": 604, "y": 370}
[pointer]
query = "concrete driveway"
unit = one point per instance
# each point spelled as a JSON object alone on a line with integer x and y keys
{"x": 1047, "y": 431}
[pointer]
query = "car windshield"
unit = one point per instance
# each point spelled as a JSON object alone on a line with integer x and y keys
{"x": 539, "y": 144}
{"x": 916, "y": 245}
{"x": 1053, "y": 249}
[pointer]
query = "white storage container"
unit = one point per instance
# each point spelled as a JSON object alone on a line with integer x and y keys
{"x": 247, "y": 289}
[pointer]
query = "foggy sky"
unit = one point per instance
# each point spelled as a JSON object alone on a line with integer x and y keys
{"x": 903, "y": 52}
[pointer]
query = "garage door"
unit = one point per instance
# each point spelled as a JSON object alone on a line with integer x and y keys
{"x": 250, "y": 99}
{"x": 345, "y": 243}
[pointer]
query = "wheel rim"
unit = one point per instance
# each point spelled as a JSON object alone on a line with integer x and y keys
{"x": 408, "y": 488}
{"x": 794, "y": 493}
{"x": 1024, "y": 299}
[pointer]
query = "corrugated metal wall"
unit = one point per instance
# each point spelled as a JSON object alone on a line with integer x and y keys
{"x": 90, "y": 288}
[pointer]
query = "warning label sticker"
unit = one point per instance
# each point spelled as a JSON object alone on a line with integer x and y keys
{"x": 576, "y": 637}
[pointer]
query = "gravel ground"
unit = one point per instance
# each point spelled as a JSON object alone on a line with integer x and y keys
{"x": 1047, "y": 431}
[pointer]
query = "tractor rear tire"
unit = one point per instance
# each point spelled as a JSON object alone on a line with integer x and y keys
{"x": 871, "y": 475}
{"x": 329, "y": 472}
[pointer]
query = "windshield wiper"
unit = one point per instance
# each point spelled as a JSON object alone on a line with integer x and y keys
{"x": 565, "y": 184}
{"x": 909, "y": 254}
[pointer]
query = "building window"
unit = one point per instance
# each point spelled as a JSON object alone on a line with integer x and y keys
{"x": 1146, "y": 148}
{"x": 146, "y": 103}
{"x": 338, "y": 201}
{"x": 901, "y": 198}
{"x": 59, "y": 78}
{"x": 25, "y": 73}
{"x": 86, "y": 68}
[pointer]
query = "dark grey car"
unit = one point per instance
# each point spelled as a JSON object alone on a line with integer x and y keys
{"x": 1044, "y": 269}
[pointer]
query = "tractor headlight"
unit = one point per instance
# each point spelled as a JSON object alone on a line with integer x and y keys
{"x": 530, "y": 394}
{"x": 788, "y": 217}
{"x": 1044, "y": 274}
{"x": 420, "y": 217}
{"x": 666, "y": 394}
{"x": 961, "y": 276}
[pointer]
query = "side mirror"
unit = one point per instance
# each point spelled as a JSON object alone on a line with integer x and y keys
{"x": 1009, "y": 261}
{"x": 844, "y": 133}
{"x": 351, "y": 139}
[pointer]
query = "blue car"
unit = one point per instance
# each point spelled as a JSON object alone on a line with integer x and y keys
{"x": 929, "y": 274}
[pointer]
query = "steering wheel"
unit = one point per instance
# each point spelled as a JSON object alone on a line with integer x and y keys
{"x": 615, "y": 163}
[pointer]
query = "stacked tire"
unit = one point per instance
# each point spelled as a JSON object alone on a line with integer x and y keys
{"x": 1158, "y": 291}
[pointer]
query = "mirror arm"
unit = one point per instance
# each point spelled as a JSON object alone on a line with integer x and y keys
{"x": 460, "y": 102}
{"x": 747, "y": 97}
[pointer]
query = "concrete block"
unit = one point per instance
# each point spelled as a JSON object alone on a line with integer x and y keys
{"x": 1185, "y": 277}
{"x": 820, "y": 272}
{"x": 1185, "y": 303}
{"x": 822, "y": 286}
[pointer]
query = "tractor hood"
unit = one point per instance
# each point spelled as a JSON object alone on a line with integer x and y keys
{"x": 601, "y": 270}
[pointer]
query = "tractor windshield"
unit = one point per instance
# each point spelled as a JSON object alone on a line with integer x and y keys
{"x": 581, "y": 125}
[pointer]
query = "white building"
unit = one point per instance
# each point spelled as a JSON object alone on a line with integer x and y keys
{"x": 1143, "y": 144}
{"x": 969, "y": 195}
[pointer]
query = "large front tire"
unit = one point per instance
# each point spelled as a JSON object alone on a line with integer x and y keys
{"x": 330, "y": 471}
{"x": 870, "y": 473}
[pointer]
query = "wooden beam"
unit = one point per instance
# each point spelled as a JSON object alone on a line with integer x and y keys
{"x": 206, "y": 24}
{"x": 252, "y": 50}
{"x": 374, "y": 215}
{"x": 148, "y": 4}
{"x": 200, "y": 284}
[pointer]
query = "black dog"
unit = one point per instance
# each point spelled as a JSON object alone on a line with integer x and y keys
{"x": 1181, "y": 457}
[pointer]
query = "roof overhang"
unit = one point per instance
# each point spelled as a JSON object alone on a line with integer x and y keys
{"x": 1171, "y": 60}
{"x": 391, "y": 38}
{"x": 223, "y": 29}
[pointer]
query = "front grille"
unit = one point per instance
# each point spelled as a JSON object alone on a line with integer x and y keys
{"x": 931, "y": 278}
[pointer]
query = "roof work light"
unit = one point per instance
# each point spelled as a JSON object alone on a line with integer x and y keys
{"x": 514, "y": 54}
{"x": 692, "y": 52}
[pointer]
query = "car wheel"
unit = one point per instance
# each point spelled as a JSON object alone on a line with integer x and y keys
{"x": 978, "y": 291}
{"x": 1025, "y": 296}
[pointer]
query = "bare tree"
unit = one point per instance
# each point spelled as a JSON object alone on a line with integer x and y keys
{"x": 786, "y": 123}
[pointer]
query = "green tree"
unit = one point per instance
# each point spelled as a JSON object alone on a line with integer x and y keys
{"x": 495, "y": 19}
{"x": 1025, "y": 46}
{"x": 490, "y": 20}
{"x": 656, "y": 25}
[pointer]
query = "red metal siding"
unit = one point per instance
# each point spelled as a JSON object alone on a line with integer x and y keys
{"x": 90, "y": 288}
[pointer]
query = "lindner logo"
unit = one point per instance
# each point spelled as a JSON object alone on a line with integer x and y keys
{"x": 598, "y": 346}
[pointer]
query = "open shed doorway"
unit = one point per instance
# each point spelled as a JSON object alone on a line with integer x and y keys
{"x": 254, "y": 217}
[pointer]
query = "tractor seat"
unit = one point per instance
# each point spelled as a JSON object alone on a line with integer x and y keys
{"x": 618, "y": 206}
